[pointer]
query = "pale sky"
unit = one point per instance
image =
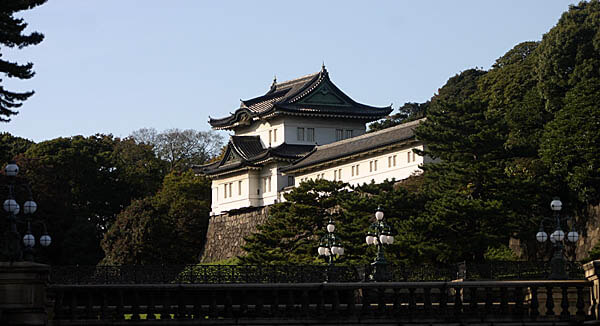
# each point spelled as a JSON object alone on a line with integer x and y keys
{"x": 115, "y": 66}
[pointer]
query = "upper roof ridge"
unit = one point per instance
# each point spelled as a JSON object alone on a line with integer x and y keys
{"x": 295, "y": 80}
{"x": 371, "y": 134}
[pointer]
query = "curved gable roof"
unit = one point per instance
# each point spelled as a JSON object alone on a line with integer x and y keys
{"x": 313, "y": 95}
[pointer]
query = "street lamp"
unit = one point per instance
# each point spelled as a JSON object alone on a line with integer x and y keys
{"x": 557, "y": 263}
{"x": 330, "y": 245}
{"x": 380, "y": 234}
{"x": 12, "y": 207}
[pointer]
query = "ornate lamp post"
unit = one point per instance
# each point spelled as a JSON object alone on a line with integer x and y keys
{"x": 13, "y": 209}
{"x": 557, "y": 262}
{"x": 330, "y": 245}
{"x": 380, "y": 234}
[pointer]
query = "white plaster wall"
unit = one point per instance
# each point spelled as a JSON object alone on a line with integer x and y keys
{"x": 325, "y": 129}
{"x": 233, "y": 200}
{"x": 262, "y": 128}
{"x": 402, "y": 170}
{"x": 286, "y": 129}
{"x": 253, "y": 191}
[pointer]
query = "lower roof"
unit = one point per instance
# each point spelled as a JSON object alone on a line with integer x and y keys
{"x": 355, "y": 145}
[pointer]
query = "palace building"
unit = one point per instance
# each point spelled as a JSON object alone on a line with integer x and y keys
{"x": 300, "y": 129}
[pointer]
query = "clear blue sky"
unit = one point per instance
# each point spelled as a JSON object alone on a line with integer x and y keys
{"x": 115, "y": 66}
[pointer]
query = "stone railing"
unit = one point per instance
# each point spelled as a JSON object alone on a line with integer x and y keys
{"x": 363, "y": 303}
{"x": 28, "y": 298}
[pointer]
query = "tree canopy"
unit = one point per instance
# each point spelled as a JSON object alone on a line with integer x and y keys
{"x": 181, "y": 149}
{"x": 167, "y": 228}
{"x": 12, "y": 35}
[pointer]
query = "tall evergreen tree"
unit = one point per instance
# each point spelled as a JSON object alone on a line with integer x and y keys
{"x": 11, "y": 35}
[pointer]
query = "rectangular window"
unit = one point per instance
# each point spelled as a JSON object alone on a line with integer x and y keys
{"x": 230, "y": 192}
{"x": 339, "y": 134}
{"x": 414, "y": 158}
{"x": 370, "y": 166}
{"x": 348, "y": 133}
{"x": 269, "y": 181}
{"x": 352, "y": 173}
{"x": 408, "y": 157}
{"x": 275, "y": 135}
{"x": 340, "y": 174}
{"x": 389, "y": 161}
{"x": 357, "y": 165}
{"x": 270, "y": 137}
{"x": 225, "y": 191}
{"x": 394, "y": 160}
{"x": 300, "y": 134}
{"x": 240, "y": 187}
{"x": 310, "y": 134}
{"x": 375, "y": 165}
{"x": 334, "y": 175}
{"x": 290, "y": 180}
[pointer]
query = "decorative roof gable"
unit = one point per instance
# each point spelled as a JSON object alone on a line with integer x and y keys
{"x": 310, "y": 95}
{"x": 244, "y": 152}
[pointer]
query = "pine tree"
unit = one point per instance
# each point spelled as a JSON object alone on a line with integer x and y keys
{"x": 292, "y": 232}
{"x": 11, "y": 35}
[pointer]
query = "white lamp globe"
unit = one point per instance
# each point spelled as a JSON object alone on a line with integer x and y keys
{"x": 330, "y": 228}
{"x": 556, "y": 204}
{"x": 321, "y": 251}
{"x": 29, "y": 240}
{"x": 341, "y": 251}
{"x": 552, "y": 239}
{"x": 327, "y": 252}
{"x": 370, "y": 239}
{"x": 45, "y": 240}
{"x": 390, "y": 239}
{"x": 559, "y": 234}
{"x": 383, "y": 239}
{"x": 29, "y": 207}
{"x": 335, "y": 250}
{"x": 11, "y": 170}
{"x": 379, "y": 215}
{"x": 11, "y": 206}
{"x": 573, "y": 236}
{"x": 541, "y": 236}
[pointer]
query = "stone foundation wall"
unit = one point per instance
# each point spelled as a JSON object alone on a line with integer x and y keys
{"x": 226, "y": 233}
{"x": 591, "y": 235}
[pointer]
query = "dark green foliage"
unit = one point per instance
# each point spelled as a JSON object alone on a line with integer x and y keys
{"x": 410, "y": 111}
{"x": 465, "y": 213}
{"x": 594, "y": 253}
{"x": 572, "y": 142}
{"x": 294, "y": 228}
{"x": 11, "y": 146}
{"x": 11, "y": 35}
{"x": 80, "y": 185}
{"x": 167, "y": 228}
{"x": 569, "y": 53}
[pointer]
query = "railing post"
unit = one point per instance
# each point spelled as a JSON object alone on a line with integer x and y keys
{"x": 592, "y": 273}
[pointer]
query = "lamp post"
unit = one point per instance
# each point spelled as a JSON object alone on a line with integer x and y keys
{"x": 380, "y": 234}
{"x": 10, "y": 205}
{"x": 330, "y": 244}
{"x": 557, "y": 263}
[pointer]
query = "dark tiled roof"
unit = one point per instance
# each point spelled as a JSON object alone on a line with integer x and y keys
{"x": 285, "y": 97}
{"x": 247, "y": 146}
{"x": 355, "y": 145}
{"x": 251, "y": 153}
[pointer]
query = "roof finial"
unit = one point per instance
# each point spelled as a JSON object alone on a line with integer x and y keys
{"x": 323, "y": 66}
{"x": 274, "y": 81}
